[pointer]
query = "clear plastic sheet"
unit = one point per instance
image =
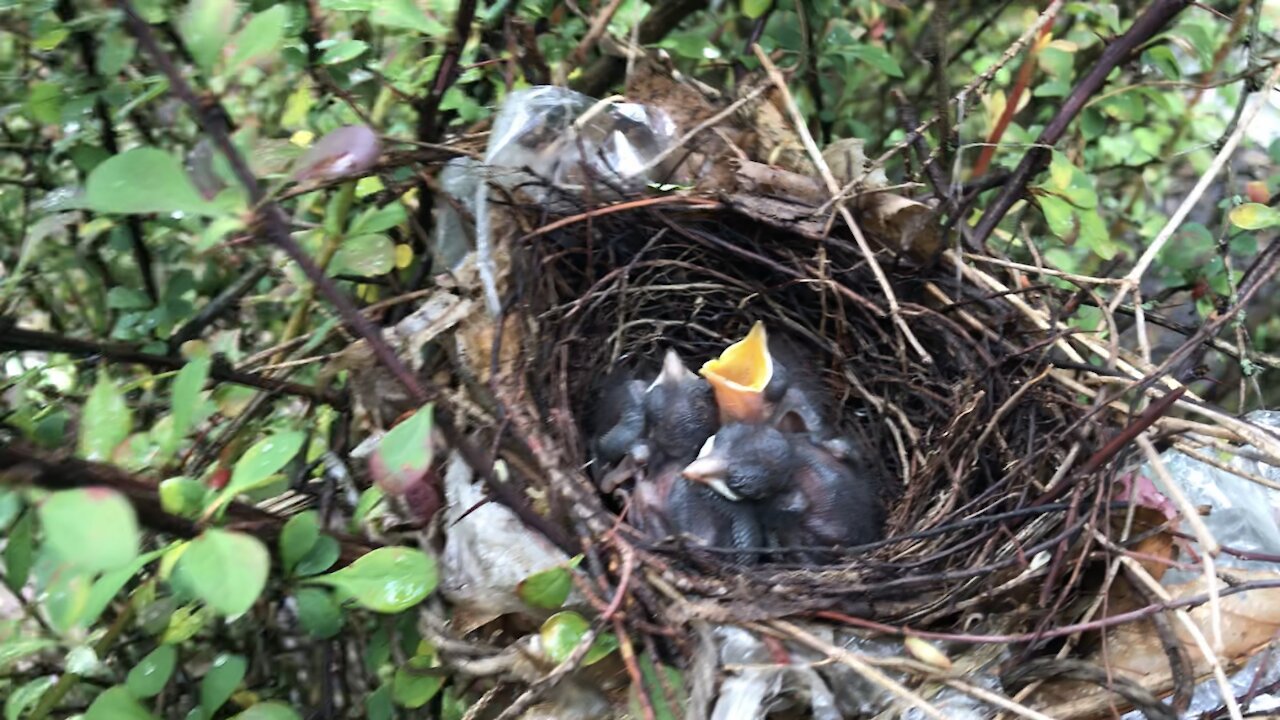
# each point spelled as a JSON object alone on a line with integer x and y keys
{"x": 553, "y": 134}
{"x": 1243, "y": 515}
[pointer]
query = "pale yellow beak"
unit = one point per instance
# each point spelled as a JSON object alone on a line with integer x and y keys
{"x": 739, "y": 377}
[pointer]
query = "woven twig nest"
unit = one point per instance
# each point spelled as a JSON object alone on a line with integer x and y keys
{"x": 967, "y": 439}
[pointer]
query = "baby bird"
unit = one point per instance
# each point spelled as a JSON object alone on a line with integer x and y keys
{"x": 680, "y": 416}
{"x": 806, "y": 495}
{"x": 619, "y": 420}
{"x": 679, "y": 412}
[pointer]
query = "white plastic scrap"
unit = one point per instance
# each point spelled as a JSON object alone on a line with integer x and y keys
{"x": 489, "y": 551}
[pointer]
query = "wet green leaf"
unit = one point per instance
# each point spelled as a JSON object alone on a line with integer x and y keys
{"x": 318, "y": 612}
{"x": 15, "y": 649}
{"x": 185, "y": 402}
{"x": 151, "y": 674}
{"x": 562, "y": 632}
{"x": 109, "y": 584}
{"x": 319, "y": 558}
{"x": 221, "y": 681}
{"x": 117, "y": 704}
{"x": 26, "y": 696}
{"x": 225, "y": 569}
{"x": 105, "y": 422}
{"x": 1255, "y": 216}
{"x": 19, "y": 551}
{"x": 44, "y": 103}
{"x": 378, "y": 704}
{"x": 406, "y": 14}
{"x": 260, "y": 37}
{"x": 752, "y": 9}
{"x": 93, "y": 529}
{"x": 343, "y": 51}
{"x": 414, "y": 684}
{"x": 205, "y": 27}
{"x": 1058, "y": 213}
{"x": 265, "y": 458}
{"x": 378, "y": 220}
{"x": 297, "y": 538}
{"x": 182, "y": 496}
{"x": 144, "y": 180}
{"x": 268, "y": 711}
{"x": 364, "y": 256}
{"x": 874, "y": 56}
{"x": 548, "y": 588}
{"x": 404, "y": 454}
{"x": 387, "y": 580}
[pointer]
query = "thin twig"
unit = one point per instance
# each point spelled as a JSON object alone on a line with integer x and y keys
{"x": 815, "y": 155}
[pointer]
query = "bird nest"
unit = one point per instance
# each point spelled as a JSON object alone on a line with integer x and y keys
{"x": 945, "y": 394}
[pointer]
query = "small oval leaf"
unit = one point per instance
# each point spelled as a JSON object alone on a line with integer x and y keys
{"x": 223, "y": 678}
{"x": 1254, "y": 216}
{"x": 144, "y": 180}
{"x": 152, "y": 673}
{"x": 105, "y": 422}
{"x": 386, "y": 580}
{"x": 225, "y": 569}
{"x": 93, "y": 529}
{"x": 297, "y": 538}
{"x": 117, "y": 704}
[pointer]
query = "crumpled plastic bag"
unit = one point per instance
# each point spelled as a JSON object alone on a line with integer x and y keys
{"x": 575, "y": 142}
{"x": 1244, "y": 515}
{"x": 487, "y": 553}
{"x": 752, "y": 692}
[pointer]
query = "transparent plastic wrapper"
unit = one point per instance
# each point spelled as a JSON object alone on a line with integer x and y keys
{"x": 453, "y": 236}
{"x": 1244, "y": 514}
{"x": 554, "y": 135}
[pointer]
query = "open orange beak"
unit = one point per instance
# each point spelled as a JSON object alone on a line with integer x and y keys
{"x": 739, "y": 377}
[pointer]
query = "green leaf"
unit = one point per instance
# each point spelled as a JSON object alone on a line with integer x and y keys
{"x": 1058, "y": 213}
{"x": 19, "y": 551}
{"x": 321, "y": 557}
{"x": 264, "y": 459}
{"x": 1093, "y": 233}
{"x": 144, "y": 180}
{"x": 318, "y": 612}
{"x": 109, "y": 584}
{"x": 343, "y": 51}
{"x": 562, "y": 632}
{"x": 378, "y": 704}
{"x": 93, "y": 529}
{"x": 347, "y": 5}
{"x": 369, "y": 499}
{"x": 105, "y": 422}
{"x": 364, "y": 256}
{"x": 268, "y": 711}
{"x": 16, "y": 649}
{"x": 185, "y": 402}
{"x": 220, "y": 682}
{"x": 1164, "y": 60}
{"x": 184, "y": 623}
{"x": 205, "y": 27}
{"x": 752, "y": 9}
{"x": 298, "y": 537}
{"x": 378, "y": 219}
{"x": 122, "y": 298}
{"x": 66, "y": 592}
{"x": 1254, "y": 216}
{"x": 548, "y": 588}
{"x": 414, "y": 685}
{"x": 1057, "y": 62}
{"x": 225, "y": 569}
{"x": 665, "y": 707}
{"x": 386, "y": 580}
{"x": 152, "y": 673}
{"x": 404, "y": 454}
{"x": 117, "y": 704}
{"x": 182, "y": 496}
{"x": 26, "y": 696}
{"x": 260, "y": 37}
{"x": 874, "y": 56}
{"x": 44, "y": 103}
{"x": 406, "y": 14}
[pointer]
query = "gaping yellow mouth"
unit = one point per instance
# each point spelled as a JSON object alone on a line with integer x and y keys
{"x": 740, "y": 375}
